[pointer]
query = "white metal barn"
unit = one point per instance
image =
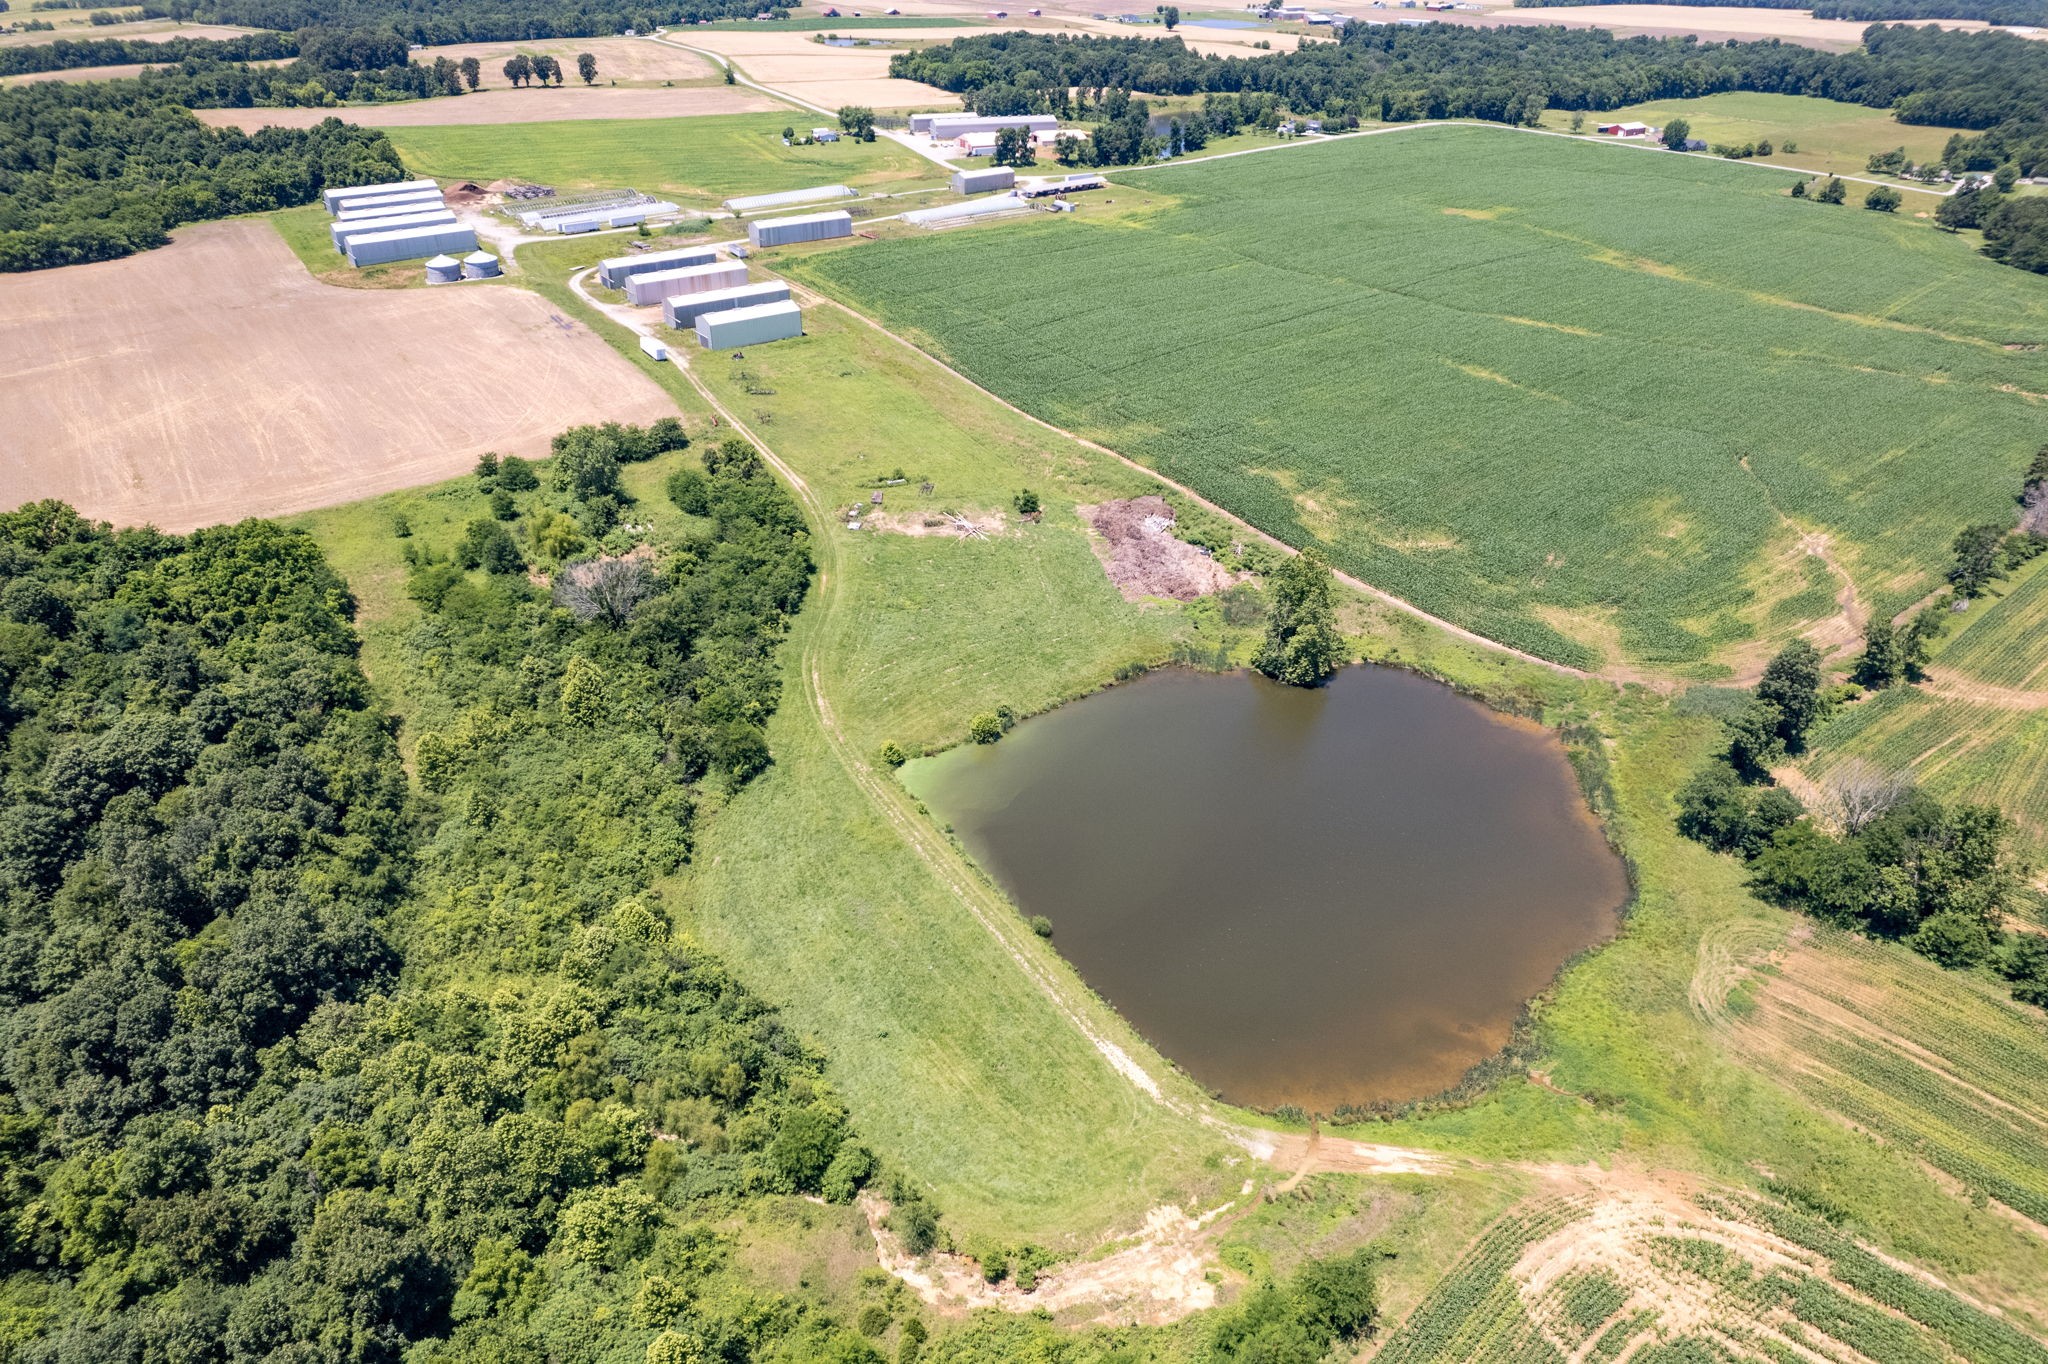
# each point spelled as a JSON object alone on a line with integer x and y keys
{"x": 683, "y": 310}
{"x": 691, "y": 279}
{"x": 390, "y": 204}
{"x": 982, "y": 181}
{"x": 747, "y": 203}
{"x": 619, "y": 216}
{"x": 815, "y": 227}
{"x": 344, "y": 233}
{"x": 333, "y": 197}
{"x": 613, "y": 273}
{"x": 946, "y": 127}
{"x": 750, "y": 326}
{"x": 415, "y": 243}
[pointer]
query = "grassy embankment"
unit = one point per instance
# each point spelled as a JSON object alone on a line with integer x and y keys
{"x": 1499, "y": 385}
{"x": 700, "y": 160}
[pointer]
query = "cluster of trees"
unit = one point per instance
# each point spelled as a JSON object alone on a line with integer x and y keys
{"x": 1884, "y": 858}
{"x": 68, "y": 54}
{"x": 1873, "y": 11}
{"x": 95, "y": 170}
{"x": 305, "y": 1061}
{"x": 857, "y": 121}
{"x": 460, "y": 21}
{"x": 1302, "y": 646}
{"x": 1401, "y": 72}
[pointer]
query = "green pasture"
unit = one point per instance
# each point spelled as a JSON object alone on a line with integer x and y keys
{"x": 701, "y": 158}
{"x": 2003, "y": 639}
{"x": 1580, "y": 399}
{"x": 1832, "y": 137}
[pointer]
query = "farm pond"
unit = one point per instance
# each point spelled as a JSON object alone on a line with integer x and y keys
{"x": 1317, "y": 898}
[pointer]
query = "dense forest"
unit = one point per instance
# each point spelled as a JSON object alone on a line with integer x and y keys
{"x": 69, "y": 54}
{"x": 1398, "y": 72}
{"x": 101, "y": 169}
{"x": 1865, "y": 11}
{"x": 460, "y": 21}
{"x": 303, "y": 1061}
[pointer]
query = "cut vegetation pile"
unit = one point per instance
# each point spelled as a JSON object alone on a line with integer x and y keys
{"x": 1143, "y": 558}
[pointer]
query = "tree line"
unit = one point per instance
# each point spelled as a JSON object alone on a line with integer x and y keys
{"x": 95, "y": 170}
{"x": 1870, "y": 11}
{"x": 461, "y": 21}
{"x": 1402, "y": 72}
{"x": 68, "y": 54}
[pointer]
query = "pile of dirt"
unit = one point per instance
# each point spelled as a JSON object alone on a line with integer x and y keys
{"x": 465, "y": 195}
{"x": 1139, "y": 552}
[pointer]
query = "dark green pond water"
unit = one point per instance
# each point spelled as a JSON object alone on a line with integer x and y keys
{"x": 1302, "y": 897}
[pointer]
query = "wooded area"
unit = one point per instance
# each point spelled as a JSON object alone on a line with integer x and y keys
{"x": 1867, "y": 11}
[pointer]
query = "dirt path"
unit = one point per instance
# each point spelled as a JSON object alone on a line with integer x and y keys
{"x": 1955, "y": 687}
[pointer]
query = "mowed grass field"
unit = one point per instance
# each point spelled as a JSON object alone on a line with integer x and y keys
{"x": 1580, "y": 398}
{"x": 709, "y": 157}
{"x": 1832, "y": 137}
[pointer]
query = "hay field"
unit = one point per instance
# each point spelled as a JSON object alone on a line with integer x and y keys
{"x": 1709, "y": 22}
{"x": 698, "y": 158}
{"x": 1574, "y": 396}
{"x": 828, "y": 77}
{"x": 1833, "y": 138}
{"x": 494, "y": 108}
{"x": 214, "y": 379}
{"x": 76, "y": 24}
{"x": 626, "y": 60}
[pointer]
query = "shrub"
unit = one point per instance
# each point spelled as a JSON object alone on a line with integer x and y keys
{"x": 1040, "y": 925}
{"x": 892, "y": 754}
{"x": 985, "y": 728}
{"x": 1883, "y": 199}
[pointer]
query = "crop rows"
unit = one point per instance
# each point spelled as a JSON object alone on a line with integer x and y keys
{"x": 1956, "y": 749}
{"x": 2008, "y": 645}
{"x": 1476, "y": 1312}
{"x": 1494, "y": 373}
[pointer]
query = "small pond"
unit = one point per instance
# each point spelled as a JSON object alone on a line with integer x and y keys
{"x": 1310, "y": 897}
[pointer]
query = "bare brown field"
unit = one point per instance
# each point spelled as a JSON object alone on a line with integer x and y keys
{"x": 215, "y": 379}
{"x": 828, "y": 77}
{"x": 144, "y": 30}
{"x": 618, "y": 59}
{"x": 510, "y": 106}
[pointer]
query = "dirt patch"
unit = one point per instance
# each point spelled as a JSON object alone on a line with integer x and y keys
{"x": 565, "y": 105}
{"x": 1139, "y": 552}
{"x": 972, "y": 524}
{"x": 216, "y": 379}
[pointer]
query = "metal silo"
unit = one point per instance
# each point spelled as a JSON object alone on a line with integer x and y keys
{"x": 480, "y": 265}
{"x": 444, "y": 270}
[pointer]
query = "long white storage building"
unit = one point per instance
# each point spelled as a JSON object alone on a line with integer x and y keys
{"x": 614, "y": 273}
{"x": 334, "y": 199}
{"x": 944, "y": 127}
{"x": 946, "y": 214}
{"x": 387, "y": 203}
{"x": 413, "y": 243}
{"x": 815, "y": 227}
{"x": 691, "y": 279}
{"x": 620, "y": 215}
{"x": 750, "y": 326}
{"x": 788, "y": 198}
{"x": 683, "y": 310}
{"x": 344, "y": 233}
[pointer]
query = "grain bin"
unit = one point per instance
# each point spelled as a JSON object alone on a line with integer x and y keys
{"x": 444, "y": 270}
{"x": 480, "y": 265}
{"x": 614, "y": 273}
{"x": 683, "y": 310}
{"x": 414, "y": 243}
{"x": 814, "y": 227}
{"x": 692, "y": 279}
{"x": 982, "y": 181}
{"x": 750, "y": 326}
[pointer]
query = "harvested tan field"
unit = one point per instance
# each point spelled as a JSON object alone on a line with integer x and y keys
{"x": 143, "y": 31}
{"x": 1713, "y": 22}
{"x": 215, "y": 379}
{"x": 511, "y": 106}
{"x": 618, "y": 59}
{"x": 828, "y": 77}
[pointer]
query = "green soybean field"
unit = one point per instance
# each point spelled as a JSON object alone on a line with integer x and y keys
{"x": 1595, "y": 402}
